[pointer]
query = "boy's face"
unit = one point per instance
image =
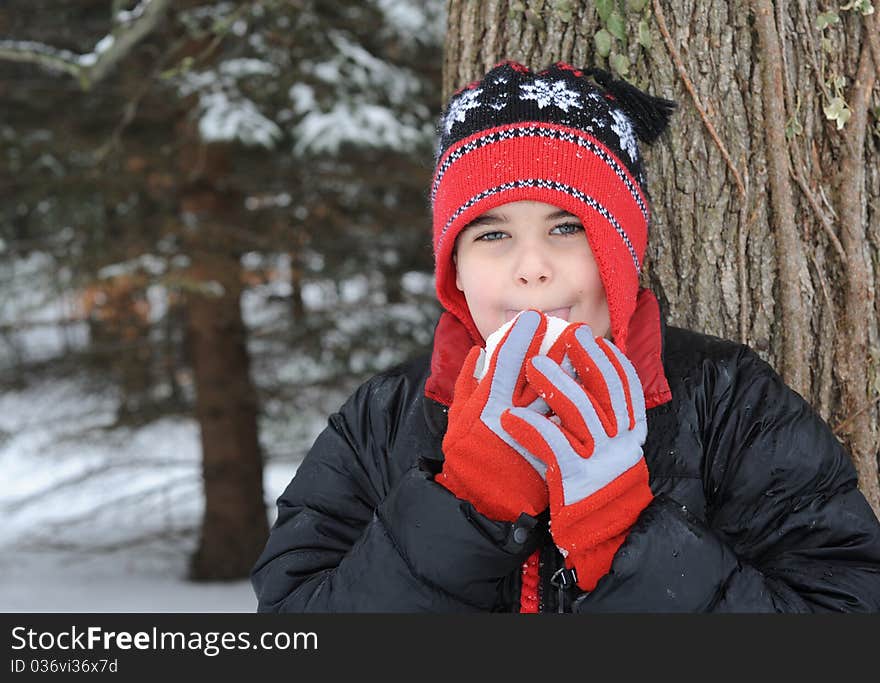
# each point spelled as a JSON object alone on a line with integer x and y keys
{"x": 529, "y": 255}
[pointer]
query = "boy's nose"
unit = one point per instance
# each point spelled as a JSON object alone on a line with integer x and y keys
{"x": 533, "y": 267}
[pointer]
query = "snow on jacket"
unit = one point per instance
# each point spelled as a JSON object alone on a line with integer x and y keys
{"x": 756, "y": 508}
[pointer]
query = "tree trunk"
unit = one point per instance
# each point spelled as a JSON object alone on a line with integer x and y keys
{"x": 235, "y": 527}
{"x": 766, "y": 216}
{"x": 235, "y": 524}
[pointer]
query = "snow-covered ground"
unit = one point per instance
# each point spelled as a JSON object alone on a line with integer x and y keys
{"x": 103, "y": 522}
{"x": 58, "y": 582}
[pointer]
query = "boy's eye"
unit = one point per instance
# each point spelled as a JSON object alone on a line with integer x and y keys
{"x": 569, "y": 228}
{"x": 491, "y": 236}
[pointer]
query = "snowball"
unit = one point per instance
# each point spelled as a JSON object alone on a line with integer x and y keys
{"x": 555, "y": 326}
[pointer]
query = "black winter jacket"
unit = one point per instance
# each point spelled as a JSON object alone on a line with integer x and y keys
{"x": 756, "y": 509}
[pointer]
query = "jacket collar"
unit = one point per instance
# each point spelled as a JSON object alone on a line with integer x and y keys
{"x": 646, "y": 337}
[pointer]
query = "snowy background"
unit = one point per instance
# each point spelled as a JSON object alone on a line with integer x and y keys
{"x": 105, "y": 525}
{"x": 327, "y": 111}
{"x": 98, "y": 520}
{"x": 102, "y": 518}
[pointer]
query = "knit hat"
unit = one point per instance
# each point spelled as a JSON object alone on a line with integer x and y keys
{"x": 552, "y": 136}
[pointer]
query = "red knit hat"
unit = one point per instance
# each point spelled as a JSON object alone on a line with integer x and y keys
{"x": 556, "y": 137}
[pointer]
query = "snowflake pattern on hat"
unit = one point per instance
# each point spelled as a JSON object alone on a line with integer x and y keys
{"x": 511, "y": 94}
{"x": 547, "y": 93}
{"x": 624, "y": 130}
{"x": 499, "y": 102}
{"x": 458, "y": 109}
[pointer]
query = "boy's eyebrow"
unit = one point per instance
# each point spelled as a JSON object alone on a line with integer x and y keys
{"x": 484, "y": 220}
{"x": 559, "y": 214}
{"x": 489, "y": 219}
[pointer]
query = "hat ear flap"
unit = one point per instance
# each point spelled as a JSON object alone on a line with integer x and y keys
{"x": 649, "y": 115}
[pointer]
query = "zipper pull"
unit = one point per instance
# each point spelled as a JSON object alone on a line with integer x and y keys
{"x": 564, "y": 579}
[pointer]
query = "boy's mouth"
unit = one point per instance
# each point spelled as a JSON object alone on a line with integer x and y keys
{"x": 554, "y": 312}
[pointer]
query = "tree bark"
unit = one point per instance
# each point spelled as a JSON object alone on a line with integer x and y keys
{"x": 235, "y": 526}
{"x": 766, "y": 215}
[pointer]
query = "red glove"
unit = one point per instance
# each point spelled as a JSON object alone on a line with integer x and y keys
{"x": 483, "y": 463}
{"x": 596, "y": 472}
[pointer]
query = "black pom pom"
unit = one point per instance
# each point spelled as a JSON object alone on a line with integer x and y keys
{"x": 649, "y": 115}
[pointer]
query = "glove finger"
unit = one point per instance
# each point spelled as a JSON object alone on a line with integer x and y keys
{"x": 635, "y": 395}
{"x": 539, "y": 405}
{"x": 507, "y": 367}
{"x": 568, "y": 468}
{"x": 568, "y": 400}
{"x": 556, "y": 352}
{"x": 557, "y": 349}
{"x": 473, "y": 362}
{"x": 466, "y": 382}
{"x": 597, "y": 374}
{"x": 524, "y": 428}
{"x": 548, "y": 442}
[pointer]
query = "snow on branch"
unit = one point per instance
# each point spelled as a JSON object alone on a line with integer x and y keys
{"x": 89, "y": 68}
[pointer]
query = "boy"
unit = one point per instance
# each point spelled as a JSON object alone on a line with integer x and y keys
{"x": 626, "y": 466}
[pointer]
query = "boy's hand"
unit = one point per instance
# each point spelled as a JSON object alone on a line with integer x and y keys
{"x": 483, "y": 462}
{"x": 596, "y": 472}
